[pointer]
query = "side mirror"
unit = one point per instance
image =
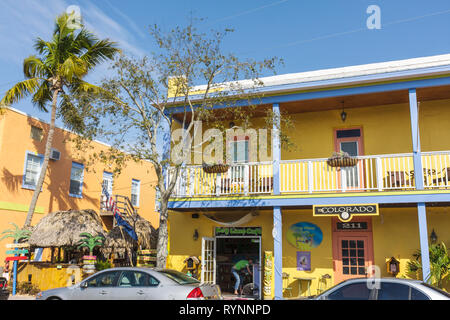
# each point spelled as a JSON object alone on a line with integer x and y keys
{"x": 84, "y": 285}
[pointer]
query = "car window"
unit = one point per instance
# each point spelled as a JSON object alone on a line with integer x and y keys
{"x": 393, "y": 291}
{"x": 417, "y": 295}
{"x": 106, "y": 279}
{"x": 178, "y": 277}
{"x": 137, "y": 279}
{"x": 353, "y": 291}
{"x": 436, "y": 289}
{"x": 127, "y": 279}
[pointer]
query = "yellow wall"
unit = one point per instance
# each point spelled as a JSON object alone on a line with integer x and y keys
{"x": 14, "y": 199}
{"x": 386, "y": 129}
{"x": 49, "y": 276}
{"x": 182, "y": 227}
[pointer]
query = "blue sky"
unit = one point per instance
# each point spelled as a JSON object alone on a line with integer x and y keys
{"x": 307, "y": 35}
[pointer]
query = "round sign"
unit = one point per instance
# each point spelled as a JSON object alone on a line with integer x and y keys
{"x": 304, "y": 235}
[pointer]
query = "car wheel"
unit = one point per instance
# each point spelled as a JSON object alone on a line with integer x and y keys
{"x": 54, "y": 298}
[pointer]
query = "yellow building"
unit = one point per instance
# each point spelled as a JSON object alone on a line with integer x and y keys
{"x": 325, "y": 221}
{"x": 69, "y": 183}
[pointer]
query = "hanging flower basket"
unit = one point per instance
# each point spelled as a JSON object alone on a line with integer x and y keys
{"x": 215, "y": 168}
{"x": 342, "y": 159}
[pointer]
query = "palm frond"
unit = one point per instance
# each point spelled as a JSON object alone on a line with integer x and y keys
{"x": 80, "y": 86}
{"x": 16, "y": 233}
{"x": 99, "y": 52}
{"x": 42, "y": 96}
{"x": 73, "y": 68}
{"x": 33, "y": 67}
{"x": 20, "y": 90}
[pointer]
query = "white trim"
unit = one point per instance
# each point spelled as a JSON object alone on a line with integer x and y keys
{"x": 380, "y": 68}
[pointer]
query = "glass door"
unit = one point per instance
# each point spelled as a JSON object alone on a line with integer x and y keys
{"x": 350, "y": 141}
{"x": 352, "y": 248}
{"x": 208, "y": 272}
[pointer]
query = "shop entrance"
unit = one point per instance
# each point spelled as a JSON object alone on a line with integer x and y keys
{"x": 229, "y": 250}
{"x": 352, "y": 248}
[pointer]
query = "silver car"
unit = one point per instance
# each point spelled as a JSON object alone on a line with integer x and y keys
{"x": 135, "y": 284}
{"x": 383, "y": 289}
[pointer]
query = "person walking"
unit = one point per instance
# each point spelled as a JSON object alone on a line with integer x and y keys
{"x": 236, "y": 269}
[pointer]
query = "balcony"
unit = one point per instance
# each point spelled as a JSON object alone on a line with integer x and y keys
{"x": 392, "y": 172}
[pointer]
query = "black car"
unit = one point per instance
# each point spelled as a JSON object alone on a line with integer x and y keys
{"x": 4, "y": 292}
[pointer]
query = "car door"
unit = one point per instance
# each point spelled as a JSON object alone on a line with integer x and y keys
{"x": 352, "y": 291}
{"x": 135, "y": 285}
{"x": 98, "y": 287}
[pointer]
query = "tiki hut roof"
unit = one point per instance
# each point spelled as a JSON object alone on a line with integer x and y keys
{"x": 63, "y": 228}
{"x": 118, "y": 240}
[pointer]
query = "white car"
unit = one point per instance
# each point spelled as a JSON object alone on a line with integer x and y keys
{"x": 135, "y": 284}
{"x": 383, "y": 289}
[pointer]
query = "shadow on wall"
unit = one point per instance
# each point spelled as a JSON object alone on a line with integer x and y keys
{"x": 11, "y": 181}
{"x": 58, "y": 173}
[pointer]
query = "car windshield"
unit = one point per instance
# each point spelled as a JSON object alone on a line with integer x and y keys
{"x": 178, "y": 277}
{"x": 436, "y": 289}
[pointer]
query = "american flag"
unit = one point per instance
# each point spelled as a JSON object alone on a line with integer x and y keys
{"x": 112, "y": 206}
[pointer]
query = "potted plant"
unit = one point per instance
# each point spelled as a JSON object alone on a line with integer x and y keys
{"x": 342, "y": 159}
{"x": 90, "y": 242}
{"x": 215, "y": 167}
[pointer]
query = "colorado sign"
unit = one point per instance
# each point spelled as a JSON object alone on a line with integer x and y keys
{"x": 345, "y": 212}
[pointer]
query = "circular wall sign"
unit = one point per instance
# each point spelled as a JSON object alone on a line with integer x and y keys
{"x": 304, "y": 235}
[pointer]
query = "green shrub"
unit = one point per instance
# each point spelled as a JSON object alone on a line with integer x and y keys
{"x": 439, "y": 264}
{"x": 102, "y": 265}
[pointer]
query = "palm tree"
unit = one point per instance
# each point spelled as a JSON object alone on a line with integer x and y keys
{"x": 61, "y": 65}
{"x": 17, "y": 234}
{"x": 90, "y": 242}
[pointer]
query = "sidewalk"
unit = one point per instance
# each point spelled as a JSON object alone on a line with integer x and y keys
{"x": 21, "y": 297}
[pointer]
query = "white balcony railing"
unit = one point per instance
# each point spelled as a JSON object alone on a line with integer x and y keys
{"x": 371, "y": 173}
{"x": 240, "y": 179}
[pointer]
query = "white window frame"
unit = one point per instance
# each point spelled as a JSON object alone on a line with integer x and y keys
{"x": 240, "y": 146}
{"x": 138, "y": 184}
{"x": 27, "y": 155}
{"x": 77, "y": 165}
{"x": 109, "y": 177}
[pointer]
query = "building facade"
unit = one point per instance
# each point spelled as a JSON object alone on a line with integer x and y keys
{"x": 70, "y": 183}
{"x": 318, "y": 221}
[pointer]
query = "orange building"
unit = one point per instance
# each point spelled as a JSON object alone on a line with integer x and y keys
{"x": 69, "y": 183}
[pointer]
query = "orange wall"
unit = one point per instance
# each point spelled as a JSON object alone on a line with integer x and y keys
{"x": 15, "y": 141}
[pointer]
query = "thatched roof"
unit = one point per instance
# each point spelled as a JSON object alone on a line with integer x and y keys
{"x": 63, "y": 228}
{"x": 118, "y": 240}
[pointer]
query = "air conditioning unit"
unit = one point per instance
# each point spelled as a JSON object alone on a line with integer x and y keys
{"x": 55, "y": 154}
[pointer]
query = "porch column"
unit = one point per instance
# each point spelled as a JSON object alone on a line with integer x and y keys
{"x": 423, "y": 235}
{"x": 277, "y": 253}
{"x": 415, "y": 132}
{"x": 418, "y": 174}
{"x": 276, "y": 148}
{"x": 277, "y": 221}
